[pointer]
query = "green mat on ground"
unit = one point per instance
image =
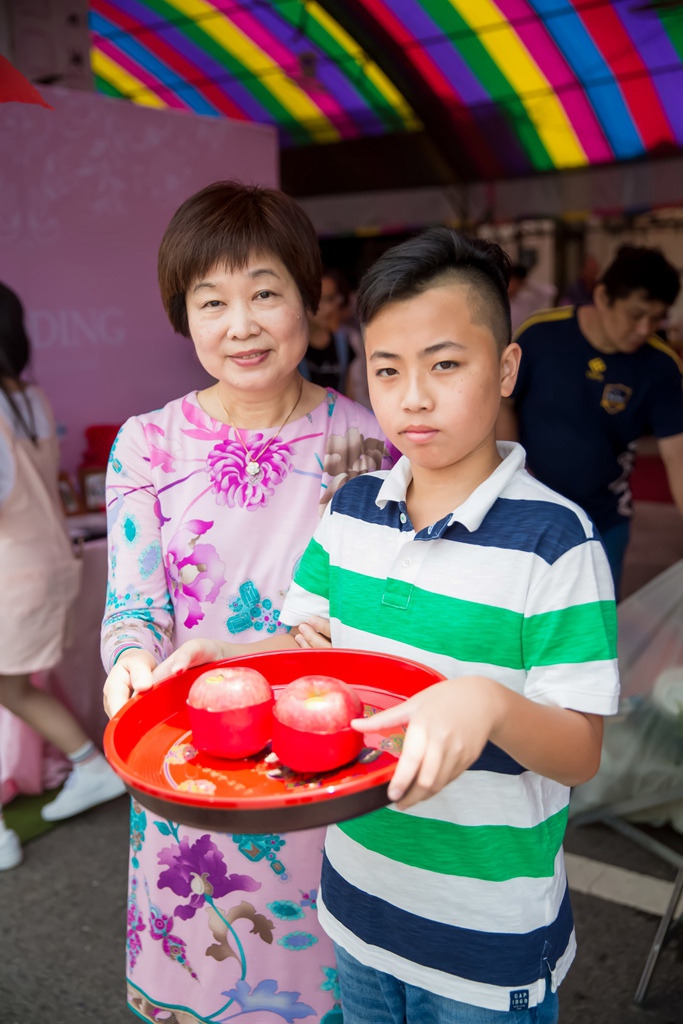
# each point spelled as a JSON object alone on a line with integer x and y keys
{"x": 23, "y": 814}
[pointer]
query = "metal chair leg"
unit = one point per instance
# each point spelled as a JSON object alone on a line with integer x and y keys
{"x": 660, "y": 937}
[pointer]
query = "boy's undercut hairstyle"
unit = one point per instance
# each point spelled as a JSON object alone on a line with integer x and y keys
{"x": 640, "y": 268}
{"x": 225, "y": 225}
{"x": 432, "y": 258}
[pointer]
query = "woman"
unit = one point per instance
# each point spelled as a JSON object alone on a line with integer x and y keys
{"x": 211, "y": 501}
{"x": 40, "y": 579}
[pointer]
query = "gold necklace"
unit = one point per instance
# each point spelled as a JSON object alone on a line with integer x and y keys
{"x": 253, "y": 468}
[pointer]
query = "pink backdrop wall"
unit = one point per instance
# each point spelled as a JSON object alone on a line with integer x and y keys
{"x": 86, "y": 192}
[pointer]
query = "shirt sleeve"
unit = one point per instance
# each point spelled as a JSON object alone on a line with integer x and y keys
{"x": 569, "y": 634}
{"x": 139, "y": 611}
{"x": 309, "y": 591}
{"x": 666, "y": 407}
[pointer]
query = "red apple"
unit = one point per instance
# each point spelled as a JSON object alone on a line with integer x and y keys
{"x": 318, "y": 704}
{"x": 222, "y": 689}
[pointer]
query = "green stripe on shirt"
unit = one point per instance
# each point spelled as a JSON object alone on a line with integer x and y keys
{"x": 582, "y": 632}
{"x": 313, "y": 571}
{"x": 465, "y": 630}
{"x": 493, "y": 853}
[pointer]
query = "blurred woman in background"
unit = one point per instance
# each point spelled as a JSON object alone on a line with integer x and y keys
{"x": 40, "y": 579}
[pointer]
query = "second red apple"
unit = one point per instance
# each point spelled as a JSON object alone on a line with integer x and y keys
{"x": 318, "y": 704}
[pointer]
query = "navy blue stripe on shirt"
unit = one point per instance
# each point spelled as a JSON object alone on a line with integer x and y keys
{"x": 357, "y": 500}
{"x": 543, "y": 528}
{"x": 499, "y": 958}
{"x": 493, "y": 759}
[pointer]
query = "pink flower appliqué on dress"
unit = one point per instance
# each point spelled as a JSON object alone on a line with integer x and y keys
{"x": 227, "y": 468}
{"x": 194, "y": 572}
{"x": 157, "y": 456}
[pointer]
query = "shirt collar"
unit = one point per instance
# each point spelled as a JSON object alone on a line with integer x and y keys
{"x": 472, "y": 511}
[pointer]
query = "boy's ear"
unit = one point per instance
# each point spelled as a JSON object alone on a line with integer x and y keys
{"x": 509, "y": 368}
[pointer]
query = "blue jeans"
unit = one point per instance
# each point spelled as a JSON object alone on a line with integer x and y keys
{"x": 615, "y": 541}
{"x": 372, "y": 997}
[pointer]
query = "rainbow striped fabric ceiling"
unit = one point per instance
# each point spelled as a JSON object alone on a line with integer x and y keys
{"x": 522, "y": 85}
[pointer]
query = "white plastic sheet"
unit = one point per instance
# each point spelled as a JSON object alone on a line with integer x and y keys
{"x": 643, "y": 747}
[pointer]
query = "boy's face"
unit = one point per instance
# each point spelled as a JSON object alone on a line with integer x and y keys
{"x": 436, "y": 377}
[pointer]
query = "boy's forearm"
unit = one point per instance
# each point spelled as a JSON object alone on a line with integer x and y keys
{"x": 561, "y": 744}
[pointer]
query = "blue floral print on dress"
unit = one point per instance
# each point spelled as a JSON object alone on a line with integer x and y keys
{"x": 251, "y": 611}
{"x": 266, "y": 997}
{"x": 331, "y": 982}
{"x": 255, "y": 848}
{"x": 296, "y": 941}
{"x": 286, "y": 910}
{"x": 309, "y": 899}
{"x": 334, "y": 1016}
{"x": 130, "y": 529}
{"x": 150, "y": 560}
{"x": 138, "y": 825}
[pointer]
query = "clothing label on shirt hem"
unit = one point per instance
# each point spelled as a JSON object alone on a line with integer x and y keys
{"x": 519, "y": 999}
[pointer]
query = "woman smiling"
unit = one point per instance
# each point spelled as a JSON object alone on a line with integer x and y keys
{"x": 211, "y": 502}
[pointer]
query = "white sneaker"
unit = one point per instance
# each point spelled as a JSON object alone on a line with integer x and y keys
{"x": 11, "y": 853}
{"x": 90, "y": 784}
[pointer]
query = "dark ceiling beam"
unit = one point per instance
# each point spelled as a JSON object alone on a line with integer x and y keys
{"x": 453, "y": 167}
{"x": 370, "y": 164}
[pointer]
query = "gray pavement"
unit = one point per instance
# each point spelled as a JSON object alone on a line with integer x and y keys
{"x": 63, "y": 912}
{"x": 63, "y": 915}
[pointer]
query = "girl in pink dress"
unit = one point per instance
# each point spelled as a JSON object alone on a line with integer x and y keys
{"x": 211, "y": 502}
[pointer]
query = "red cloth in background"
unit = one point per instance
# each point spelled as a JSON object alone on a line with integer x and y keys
{"x": 15, "y": 88}
{"x": 648, "y": 480}
{"x": 100, "y": 437}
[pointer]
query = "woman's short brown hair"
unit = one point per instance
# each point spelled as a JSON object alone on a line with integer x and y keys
{"x": 225, "y": 225}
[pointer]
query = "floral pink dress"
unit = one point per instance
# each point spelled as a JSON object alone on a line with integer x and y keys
{"x": 222, "y": 926}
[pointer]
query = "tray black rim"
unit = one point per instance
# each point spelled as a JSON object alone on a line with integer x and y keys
{"x": 261, "y": 821}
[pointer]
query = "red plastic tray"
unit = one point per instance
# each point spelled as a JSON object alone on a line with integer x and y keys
{"x": 149, "y": 744}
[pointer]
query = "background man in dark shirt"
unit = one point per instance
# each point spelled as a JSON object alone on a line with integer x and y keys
{"x": 592, "y": 381}
{"x": 329, "y": 353}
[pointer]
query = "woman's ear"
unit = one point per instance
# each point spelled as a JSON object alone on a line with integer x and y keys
{"x": 509, "y": 368}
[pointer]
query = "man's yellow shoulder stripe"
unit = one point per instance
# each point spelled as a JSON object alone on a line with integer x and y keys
{"x": 656, "y": 342}
{"x": 545, "y": 316}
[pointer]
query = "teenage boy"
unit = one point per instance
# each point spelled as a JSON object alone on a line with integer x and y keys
{"x": 592, "y": 381}
{"x": 459, "y": 559}
{"x": 452, "y": 904}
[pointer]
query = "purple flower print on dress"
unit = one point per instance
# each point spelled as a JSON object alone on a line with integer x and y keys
{"x": 194, "y": 572}
{"x": 161, "y": 518}
{"x": 227, "y": 469}
{"x": 198, "y": 870}
{"x": 134, "y": 925}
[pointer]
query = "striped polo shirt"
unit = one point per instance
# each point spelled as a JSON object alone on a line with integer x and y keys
{"x": 465, "y": 894}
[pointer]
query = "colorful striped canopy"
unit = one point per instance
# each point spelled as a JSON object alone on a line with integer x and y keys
{"x": 506, "y": 88}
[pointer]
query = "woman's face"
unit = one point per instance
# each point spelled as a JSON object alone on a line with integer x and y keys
{"x": 248, "y": 325}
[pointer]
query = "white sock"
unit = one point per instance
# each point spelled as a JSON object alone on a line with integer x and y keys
{"x": 84, "y": 755}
